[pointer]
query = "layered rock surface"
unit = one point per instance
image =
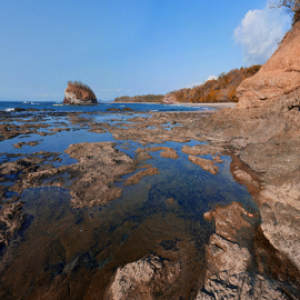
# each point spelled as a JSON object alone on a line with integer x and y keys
{"x": 278, "y": 81}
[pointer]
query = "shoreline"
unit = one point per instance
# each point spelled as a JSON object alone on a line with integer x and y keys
{"x": 215, "y": 105}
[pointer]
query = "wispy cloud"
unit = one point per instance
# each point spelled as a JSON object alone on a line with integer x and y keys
{"x": 260, "y": 32}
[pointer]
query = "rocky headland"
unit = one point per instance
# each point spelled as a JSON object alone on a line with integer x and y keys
{"x": 78, "y": 93}
{"x": 221, "y": 89}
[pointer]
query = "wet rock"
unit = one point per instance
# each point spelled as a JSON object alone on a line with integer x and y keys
{"x": 242, "y": 175}
{"x": 138, "y": 120}
{"x": 127, "y": 109}
{"x": 217, "y": 159}
{"x": 143, "y": 154}
{"x": 42, "y": 174}
{"x": 169, "y": 154}
{"x": 166, "y": 153}
{"x": 21, "y": 144}
{"x": 143, "y": 279}
{"x": 280, "y": 213}
{"x": 201, "y": 149}
{"x": 99, "y": 165}
{"x": 10, "y": 221}
{"x": 205, "y": 164}
{"x": 138, "y": 176}
{"x": 229, "y": 272}
{"x": 59, "y": 129}
{"x": 113, "y": 109}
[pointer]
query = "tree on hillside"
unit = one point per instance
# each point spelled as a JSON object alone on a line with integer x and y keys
{"x": 292, "y": 7}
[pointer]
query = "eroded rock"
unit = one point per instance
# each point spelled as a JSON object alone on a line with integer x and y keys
{"x": 99, "y": 164}
{"x": 134, "y": 179}
{"x": 78, "y": 93}
{"x": 144, "y": 279}
{"x": 205, "y": 164}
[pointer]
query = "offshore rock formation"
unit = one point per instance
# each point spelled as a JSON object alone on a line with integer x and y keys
{"x": 277, "y": 84}
{"x": 78, "y": 93}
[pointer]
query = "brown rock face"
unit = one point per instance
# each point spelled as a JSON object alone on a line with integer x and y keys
{"x": 277, "y": 84}
{"x": 78, "y": 93}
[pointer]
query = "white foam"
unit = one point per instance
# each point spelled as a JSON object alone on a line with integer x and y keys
{"x": 9, "y": 109}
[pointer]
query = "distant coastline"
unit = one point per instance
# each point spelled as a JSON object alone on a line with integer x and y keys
{"x": 215, "y": 105}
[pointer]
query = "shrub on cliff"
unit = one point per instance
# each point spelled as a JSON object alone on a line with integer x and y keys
{"x": 222, "y": 89}
{"x": 292, "y": 7}
{"x": 142, "y": 98}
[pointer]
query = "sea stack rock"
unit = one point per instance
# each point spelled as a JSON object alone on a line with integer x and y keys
{"x": 277, "y": 85}
{"x": 78, "y": 93}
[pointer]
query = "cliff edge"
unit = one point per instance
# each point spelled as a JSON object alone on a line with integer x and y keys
{"x": 221, "y": 89}
{"x": 78, "y": 93}
{"x": 277, "y": 84}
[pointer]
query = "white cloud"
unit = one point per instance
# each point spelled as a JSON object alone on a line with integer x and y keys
{"x": 212, "y": 77}
{"x": 260, "y": 32}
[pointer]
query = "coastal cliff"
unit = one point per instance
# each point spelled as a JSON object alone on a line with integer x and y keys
{"x": 277, "y": 84}
{"x": 222, "y": 89}
{"x": 78, "y": 93}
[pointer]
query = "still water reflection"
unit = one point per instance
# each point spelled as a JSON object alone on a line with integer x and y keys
{"x": 65, "y": 251}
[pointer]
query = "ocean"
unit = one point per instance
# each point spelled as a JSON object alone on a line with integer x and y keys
{"x": 10, "y": 106}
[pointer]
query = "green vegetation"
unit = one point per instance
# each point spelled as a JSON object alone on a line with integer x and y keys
{"x": 142, "y": 98}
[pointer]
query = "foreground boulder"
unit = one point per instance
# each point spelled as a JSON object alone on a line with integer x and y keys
{"x": 78, "y": 93}
{"x": 277, "y": 84}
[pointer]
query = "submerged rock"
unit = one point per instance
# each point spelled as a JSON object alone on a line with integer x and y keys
{"x": 11, "y": 220}
{"x": 138, "y": 176}
{"x": 205, "y": 164}
{"x": 99, "y": 165}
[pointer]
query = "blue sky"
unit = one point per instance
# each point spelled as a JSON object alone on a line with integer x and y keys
{"x": 129, "y": 47}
